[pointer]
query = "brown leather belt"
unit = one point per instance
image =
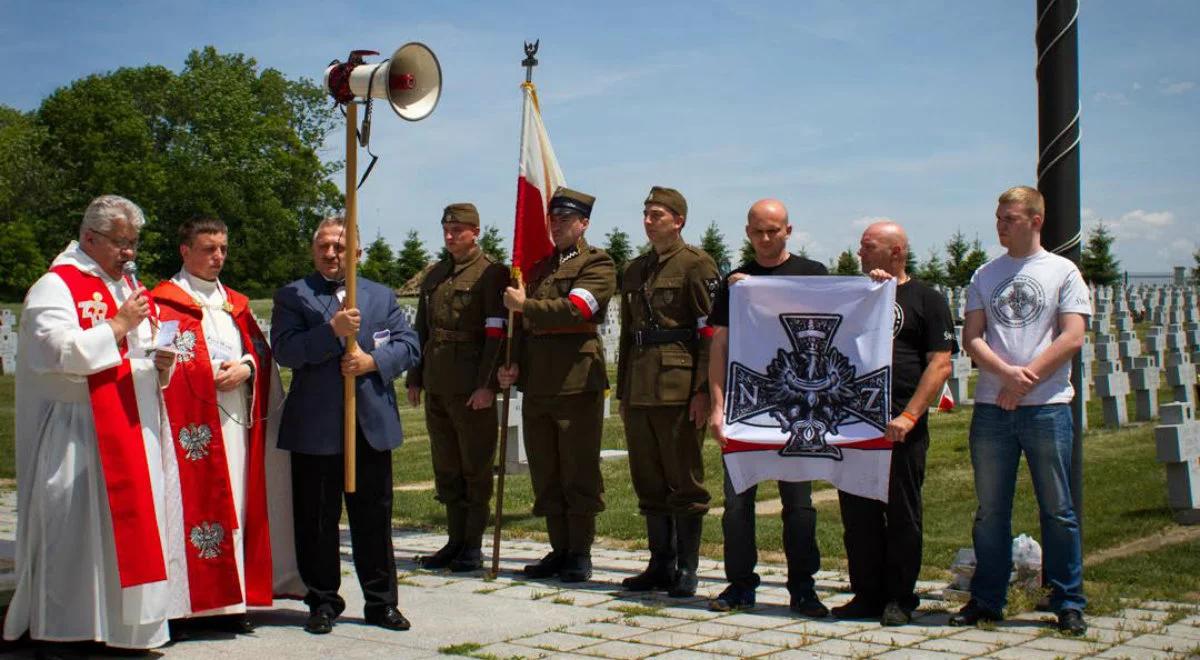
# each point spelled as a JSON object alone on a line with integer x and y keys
{"x": 440, "y": 334}
{"x": 577, "y": 329}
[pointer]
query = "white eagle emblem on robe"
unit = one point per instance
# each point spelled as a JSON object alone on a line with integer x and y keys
{"x": 195, "y": 438}
{"x": 185, "y": 343}
{"x": 206, "y": 538}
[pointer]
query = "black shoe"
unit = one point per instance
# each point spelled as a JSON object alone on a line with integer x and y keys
{"x": 319, "y": 623}
{"x": 894, "y": 615}
{"x": 972, "y": 613}
{"x": 858, "y": 608}
{"x": 659, "y": 574}
{"x": 389, "y": 617}
{"x": 549, "y": 566}
{"x": 1070, "y": 622}
{"x": 468, "y": 560}
{"x": 442, "y": 558}
{"x": 809, "y": 606}
{"x": 238, "y": 624}
{"x": 733, "y": 598}
{"x": 576, "y": 568}
{"x": 685, "y": 584}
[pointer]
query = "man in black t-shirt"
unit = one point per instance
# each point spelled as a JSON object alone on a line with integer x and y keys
{"x": 883, "y": 541}
{"x": 768, "y": 230}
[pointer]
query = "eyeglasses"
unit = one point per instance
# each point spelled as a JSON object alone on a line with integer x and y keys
{"x": 120, "y": 243}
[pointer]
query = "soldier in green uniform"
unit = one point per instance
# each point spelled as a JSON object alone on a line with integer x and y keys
{"x": 559, "y": 366}
{"x": 662, "y": 382}
{"x": 460, "y": 320}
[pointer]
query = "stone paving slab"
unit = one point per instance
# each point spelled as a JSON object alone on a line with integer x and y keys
{"x": 510, "y": 616}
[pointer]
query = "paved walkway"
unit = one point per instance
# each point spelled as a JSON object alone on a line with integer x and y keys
{"x": 511, "y": 618}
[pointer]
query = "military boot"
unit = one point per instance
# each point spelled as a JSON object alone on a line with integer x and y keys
{"x": 578, "y": 565}
{"x": 456, "y": 517}
{"x": 551, "y": 564}
{"x": 687, "y": 530}
{"x": 660, "y": 572}
{"x": 471, "y": 556}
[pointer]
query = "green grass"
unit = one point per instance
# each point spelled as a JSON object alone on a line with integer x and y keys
{"x": 1124, "y": 500}
{"x": 466, "y": 648}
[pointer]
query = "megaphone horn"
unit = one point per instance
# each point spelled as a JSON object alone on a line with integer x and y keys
{"x": 411, "y": 80}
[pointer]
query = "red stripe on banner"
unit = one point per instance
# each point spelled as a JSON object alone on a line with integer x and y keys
{"x": 531, "y": 238}
{"x": 733, "y": 445}
{"x": 121, "y": 446}
{"x": 493, "y": 333}
{"x": 584, "y": 308}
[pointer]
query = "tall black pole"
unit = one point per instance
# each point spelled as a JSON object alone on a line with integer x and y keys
{"x": 1057, "y": 38}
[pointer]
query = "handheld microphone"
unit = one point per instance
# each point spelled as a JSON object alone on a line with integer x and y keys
{"x": 130, "y": 268}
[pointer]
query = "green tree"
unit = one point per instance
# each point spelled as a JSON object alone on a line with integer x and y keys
{"x": 27, "y": 182}
{"x": 617, "y": 245}
{"x": 222, "y": 137}
{"x": 1196, "y": 268}
{"x": 412, "y": 258}
{"x": 380, "y": 264}
{"x": 910, "y": 261}
{"x": 747, "y": 254}
{"x": 802, "y": 251}
{"x": 962, "y": 259}
{"x": 847, "y": 264}
{"x": 492, "y": 244}
{"x": 931, "y": 271}
{"x": 713, "y": 242}
{"x": 1098, "y": 265}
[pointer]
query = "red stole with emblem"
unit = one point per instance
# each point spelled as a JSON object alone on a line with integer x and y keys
{"x": 122, "y": 447}
{"x": 209, "y": 511}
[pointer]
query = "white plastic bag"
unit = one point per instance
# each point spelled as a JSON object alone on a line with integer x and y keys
{"x": 1027, "y": 563}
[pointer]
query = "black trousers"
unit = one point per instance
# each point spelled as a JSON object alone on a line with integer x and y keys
{"x": 317, "y": 491}
{"x": 883, "y": 541}
{"x": 799, "y": 537}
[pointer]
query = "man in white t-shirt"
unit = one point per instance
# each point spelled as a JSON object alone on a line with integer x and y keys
{"x": 1025, "y": 319}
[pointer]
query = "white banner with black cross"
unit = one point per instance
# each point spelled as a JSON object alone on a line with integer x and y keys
{"x": 808, "y": 382}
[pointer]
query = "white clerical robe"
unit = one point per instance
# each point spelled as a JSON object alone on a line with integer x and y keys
{"x": 68, "y": 587}
{"x": 224, "y": 343}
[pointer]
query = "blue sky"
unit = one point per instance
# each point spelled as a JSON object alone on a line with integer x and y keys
{"x": 848, "y": 111}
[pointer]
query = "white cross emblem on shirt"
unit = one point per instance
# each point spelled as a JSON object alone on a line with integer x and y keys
{"x": 94, "y": 309}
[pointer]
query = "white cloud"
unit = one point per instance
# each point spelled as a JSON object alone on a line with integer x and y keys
{"x": 1111, "y": 97}
{"x": 1134, "y": 226}
{"x": 1178, "y": 87}
{"x": 1137, "y": 86}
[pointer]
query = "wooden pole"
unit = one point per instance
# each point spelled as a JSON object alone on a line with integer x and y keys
{"x": 502, "y": 458}
{"x": 350, "y": 266}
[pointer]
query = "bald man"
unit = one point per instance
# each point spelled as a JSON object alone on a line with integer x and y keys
{"x": 768, "y": 229}
{"x": 883, "y": 540}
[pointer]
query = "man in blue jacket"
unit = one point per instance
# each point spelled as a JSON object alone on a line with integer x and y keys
{"x": 309, "y": 327}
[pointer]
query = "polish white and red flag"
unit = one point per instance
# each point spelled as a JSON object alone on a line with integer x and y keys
{"x": 539, "y": 177}
{"x": 808, "y": 382}
{"x": 946, "y": 401}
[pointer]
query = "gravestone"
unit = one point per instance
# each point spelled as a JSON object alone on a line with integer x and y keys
{"x": 1177, "y": 445}
{"x": 515, "y": 461}
{"x": 1144, "y": 381}
{"x": 1180, "y": 374}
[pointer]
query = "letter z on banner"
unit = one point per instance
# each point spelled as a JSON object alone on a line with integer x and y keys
{"x": 808, "y": 383}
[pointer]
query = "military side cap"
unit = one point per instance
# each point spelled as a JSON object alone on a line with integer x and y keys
{"x": 463, "y": 212}
{"x": 668, "y": 197}
{"x": 565, "y": 198}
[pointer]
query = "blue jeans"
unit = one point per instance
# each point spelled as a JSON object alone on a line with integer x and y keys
{"x": 998, "y": 437}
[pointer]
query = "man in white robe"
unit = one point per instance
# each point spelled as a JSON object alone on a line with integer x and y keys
{"x": 223, "y": 401}
{"x": 83, "y": 339}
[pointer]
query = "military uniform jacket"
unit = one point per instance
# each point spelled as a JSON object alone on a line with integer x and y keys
{"x": 559, "y": 350}
{"x": 665, "y": 336}
{"x": 460, "y": 322}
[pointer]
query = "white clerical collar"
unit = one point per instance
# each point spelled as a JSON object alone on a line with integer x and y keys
{"x": 211, "y": 295}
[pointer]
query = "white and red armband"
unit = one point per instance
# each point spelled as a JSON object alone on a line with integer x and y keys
{"x": 493, "y": 327}
{"x": 703, "y": 329}
{"x": 585, "y": 301}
